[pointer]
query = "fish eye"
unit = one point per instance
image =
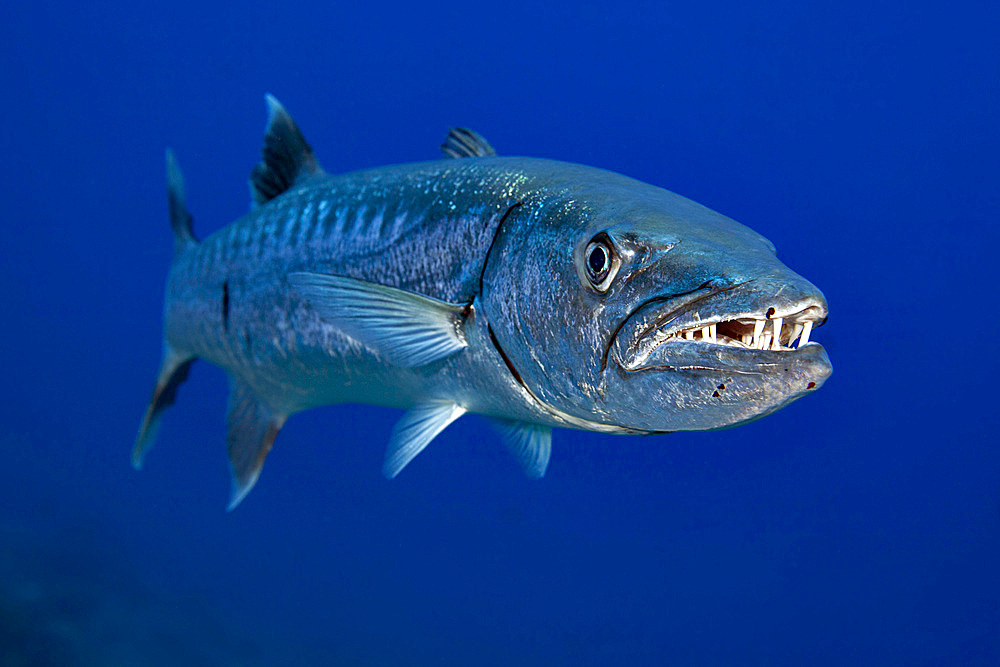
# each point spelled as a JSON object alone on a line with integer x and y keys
{"x": 601, "y": 262}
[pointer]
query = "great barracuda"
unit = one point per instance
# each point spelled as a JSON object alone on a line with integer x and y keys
{"x": 536, "y": 292}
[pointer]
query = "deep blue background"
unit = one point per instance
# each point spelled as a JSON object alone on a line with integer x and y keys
{"x": 859, "y": 525}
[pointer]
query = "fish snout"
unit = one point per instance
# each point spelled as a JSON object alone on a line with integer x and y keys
{"x": 775, "y": 313}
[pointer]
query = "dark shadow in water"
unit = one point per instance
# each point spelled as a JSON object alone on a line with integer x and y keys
{"x": 63, "y": 601}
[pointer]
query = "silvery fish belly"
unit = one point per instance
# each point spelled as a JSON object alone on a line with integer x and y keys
{"x": 535, "y": 292}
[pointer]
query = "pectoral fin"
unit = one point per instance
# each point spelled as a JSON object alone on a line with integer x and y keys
{"x": 415, "y": 431}
{"x": 531, "y": 445}
{"x": 251, "y": 429}
{"x": 406, "y": 329}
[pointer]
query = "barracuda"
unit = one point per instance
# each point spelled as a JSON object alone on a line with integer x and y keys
{"x": 538, "y": 293}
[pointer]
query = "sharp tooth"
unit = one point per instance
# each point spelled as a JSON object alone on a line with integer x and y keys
{"x": 715, "y": 334}
{"x": 765, "y": 341}
{"x": 706, "y": 334}
{"x": 758, "y": 329}
{"x": 806, "y": 330}
{"x": 776, "y": 341}
{"x": 689, "y": 334}
{"x": 747, "y": 339}
{"x": 795, "y": 334}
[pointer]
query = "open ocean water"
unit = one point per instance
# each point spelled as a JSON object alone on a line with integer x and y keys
{"x": 860, "y": 525}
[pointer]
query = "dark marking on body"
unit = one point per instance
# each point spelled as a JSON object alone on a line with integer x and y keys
{"x": 225, "y": 305}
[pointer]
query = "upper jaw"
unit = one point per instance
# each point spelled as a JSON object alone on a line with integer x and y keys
{"x": 743, "y": 325}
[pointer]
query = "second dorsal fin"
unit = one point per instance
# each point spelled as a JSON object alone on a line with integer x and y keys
{"x": 463, "y": 142}
{"x": 285, "y": 157}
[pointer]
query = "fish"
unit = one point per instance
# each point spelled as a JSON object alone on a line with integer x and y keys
{"x": 538, "y": 293}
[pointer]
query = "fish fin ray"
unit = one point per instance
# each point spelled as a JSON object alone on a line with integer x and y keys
{"x": 173, "y": 372}
{"x": 251, "y": 427}
{"x": 531, "y": 445}
{"x": 286, "y": 157}
{"x": 463, "y": 142}
{"x": 415, "y": 430}
{"x": 405, "y": 328}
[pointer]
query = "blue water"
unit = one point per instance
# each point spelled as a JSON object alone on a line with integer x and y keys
{"x": 860, "y": 525}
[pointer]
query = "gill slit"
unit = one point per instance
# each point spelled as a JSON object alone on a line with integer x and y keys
{"x": 563, "y": 417}
{"x": 555, "y": 412}
{"x": 496, "y": 235}
{"x": 489, "y": 327}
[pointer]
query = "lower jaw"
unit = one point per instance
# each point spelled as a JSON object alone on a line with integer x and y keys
{"x": 693, "y": 397}
{"x": 732, "y": 359}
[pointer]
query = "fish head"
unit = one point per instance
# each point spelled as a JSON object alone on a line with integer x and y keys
{"x": 632, "y": 309}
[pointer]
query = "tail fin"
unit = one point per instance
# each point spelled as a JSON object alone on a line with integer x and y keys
{"x": 175, "y": 366}
{"x": 180, "y": 218}
{"x": 173, "y": 372}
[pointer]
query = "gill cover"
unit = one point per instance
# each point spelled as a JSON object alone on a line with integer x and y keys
{"x": 542, "y": 317}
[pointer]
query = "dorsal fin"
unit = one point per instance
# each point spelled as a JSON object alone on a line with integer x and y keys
{"x": 285, "y": 157}
{"x": 463, "y": 142}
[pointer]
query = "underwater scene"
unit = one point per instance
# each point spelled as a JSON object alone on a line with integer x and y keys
{"x": 499, "y": 334}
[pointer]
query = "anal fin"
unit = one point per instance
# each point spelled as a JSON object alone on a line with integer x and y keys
{"x": 173, "y": 372}
{"x": 251, "y": 428}
{"x": 415, "y": 431}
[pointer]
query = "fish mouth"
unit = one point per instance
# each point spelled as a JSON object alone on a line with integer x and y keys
{"x": 748, "y": 327}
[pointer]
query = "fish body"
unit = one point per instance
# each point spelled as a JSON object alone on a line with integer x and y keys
{"x": 423, "y": 228}
{"x": 536, "y": 292}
